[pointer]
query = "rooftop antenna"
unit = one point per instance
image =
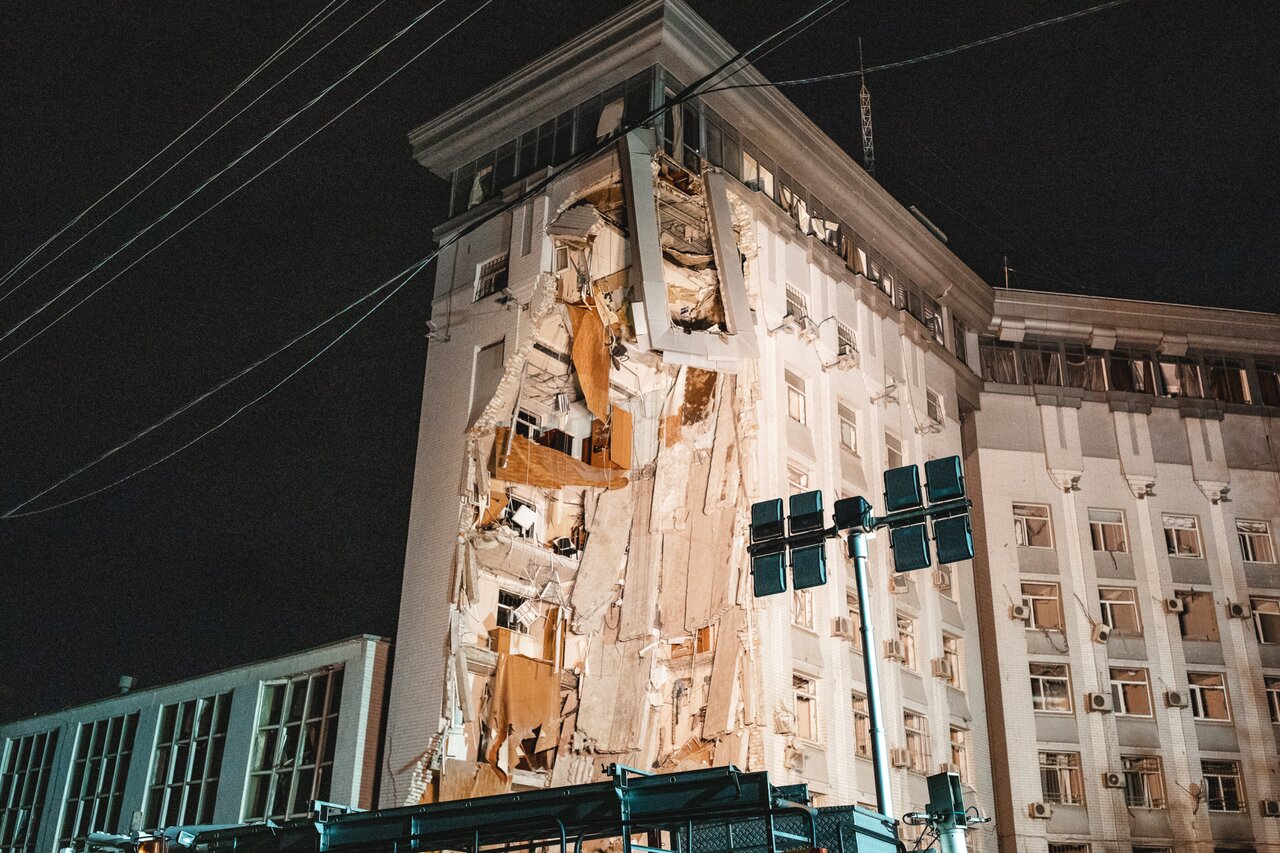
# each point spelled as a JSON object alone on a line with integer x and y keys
{"x": 1006, "y": 272}
{"x": 868, "y": 145}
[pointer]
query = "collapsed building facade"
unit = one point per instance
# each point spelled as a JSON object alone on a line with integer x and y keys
{"x": 715, "y": 308}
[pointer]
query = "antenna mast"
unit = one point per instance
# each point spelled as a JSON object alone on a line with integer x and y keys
{"x": 868, "y": 145}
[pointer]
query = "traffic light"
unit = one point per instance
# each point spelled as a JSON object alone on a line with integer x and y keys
{"x": 768, "y": 548}
{"x": 910, "y": 545}
{"x": 944, "y": 479}
{"x": 953, "y": 538}
{"x": 902, "y": 489}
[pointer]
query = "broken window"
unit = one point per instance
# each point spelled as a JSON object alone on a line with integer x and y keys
{"x": 797, "y": 479}
{"x": 797, "y": 303}
{"x": 1272, "y": 685}
{"x": 702, "y": 642}
{"x": 1133, "y": 372}
{"x": 521, "y": 516}
{"x": 1041, "y": 363}
{"x": 1226, "y": 380}
{"x": 960, "y": 752}
{"x": 861, "y": 725}
{"x": 892, "y": 451}
{"x": 509, "y": 612}
{"x": 1255, "y": 541}
{"x": 1266, "y": 619}
{"x": 491, "y": 277}
{"x": 917, "y": 740}
{"x": 960, "y": 338}
{"x": 1223, "y": 787}
{"x": 528, "y": 424}
{"x": 1050, "y": 687}
{"x": 848, "y": 429}
{"x": 1084, "y": 368}
{"x": 1268, "y": 383}
{"x": 1131, "y": 692}
{"x": 1143, "y": 781}
{"x": 845, "y": 344}
{"x": 907, "y": 640}
{"x": 1181, "y": 377}
{"x": 1208, "y": 694}
{"x": 1182, "y": 535}
{"x": 1060, "y": 778}
{"x": 1120, "y": 609}
{"x": 933, "y": 406}
{"x": 1198, "y": 619}
{"x": 802, "y": 608}
{"x": 1044, "y": 603}
{"x": 951, "y": 655}
{"x": 805, "y": 695}
{"x": 998, "y": 360}
{"x": 1031, "y": 527}
{"x": 99, "y": 772}
{"x": 855, "y": 618}
{"x": 292, "y": 760}
{"x": 25, "y": 777}
{"x": 187, "y": 761}
{"x": 1106, "y": 530}
{"x": 797, "y": 408}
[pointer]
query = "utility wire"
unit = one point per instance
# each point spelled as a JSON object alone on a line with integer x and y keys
{"x": 302, "y": 33}
{"x": 195, "y": 148}
{"x": 690, "y": 91}
{"x": 841, "y": 75}
{"x": 226, "y": 168}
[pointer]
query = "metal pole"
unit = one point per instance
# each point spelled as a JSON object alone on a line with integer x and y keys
{"x": 951, "y": 838}
{"x": 879, "y": 753}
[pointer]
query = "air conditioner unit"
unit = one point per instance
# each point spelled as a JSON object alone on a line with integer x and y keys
{"x": 942, "y": 668}
{"x": 1236, "y": 610}
{"x": 527, "y": 613}
{"x": 806, "y": 329}
{"x": 1041, "y": 811}
{"x": 848, "y": 351}
{"x": 1111, "y": 779}
{"x": 948, "y": 767}
{"x": 900, "y": 584}
{"x": 842, "y": 626}
{"x": 1100, "y": 702}
{"x": 1175, "y": 605}
{"x": 899, "y": 757}
{"x": 1270, "y": 808}
{"x": 564, "y": 546}
{"x": 893, "y": 649}
{"x": 941, "y": 579}
{"x": 1175, "y": 699}
{"x": 1020, "y": 613}
{"x": 1101, "y": 633}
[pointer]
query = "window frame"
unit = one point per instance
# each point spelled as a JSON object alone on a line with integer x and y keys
{"x": 95, "y": 791}
{"x": 889, "y": 451}
{"x": 959, "y": 750}
{"x": 848, "y": 417}
{"x": 852, "y": 605}
{"x": 1043, "y": 678}
{"x": 1029, "y": 600}
{"x": 1247, "y": 540}
{"x": 1266, "y": 608}
{"x": 1108, "y": 608}
{"x": 1143, "y": 782}
{"x": 1121, "y": 689}
{"x": 1099, "y": 529}
{"x": 1271, "y": 686}
{"x": 797, "y": 399}
{"x": 492, "y": 276}
{"x": 805, "y": 696}
{"x": 951, "y": 653}
{"x": 1070, "y": 778}
{"x": 861, "y": 711}
{"x": 168, "y": 801}
{"x": 1172, "y": 539}
{"x": 1216, "y": 772}
{"x": 1020, "y": 530}
{"x": 1198, "y": 691}
{"x": 905, "y": 626}
{"x": 802, "y": 609}
{"x": 915, "y": 728}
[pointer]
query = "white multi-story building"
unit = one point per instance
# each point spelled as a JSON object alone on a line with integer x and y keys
{"x": 250, "y": 743}
{"x": 715, "y": 308}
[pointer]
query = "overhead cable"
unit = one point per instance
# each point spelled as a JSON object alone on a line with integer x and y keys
{"x": 193, "y": 149}
{"x": 302, "y": 33}
{"x": 226, "y": 168}
{"x": 841, "y": 75}
{"x": 408, "y": 273}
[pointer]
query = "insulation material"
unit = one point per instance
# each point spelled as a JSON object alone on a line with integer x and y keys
{"x": 640, "y": 588}
{"x": 613, "y": 709}
{"x": 699, "y": 395}
{"x": 543, "y": 466}
{"x": 591, "y": 359}
{"x": 526, "y": 696}
{"x": 722, "y": 700}
{"x": 581, "y": 221}
{"x": 620, "y": 438}
{"x": 596, "y": 587}
{"x": 722, "y": 487}
{"x": 462, "y": 780}
{"x": 646, "y": 415}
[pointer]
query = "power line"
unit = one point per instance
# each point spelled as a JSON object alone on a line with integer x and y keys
{"x": 226, "y": 168}
{"x": 689, "y": 92}
{"x": 193, "y": 149}
{"x": 841, "y": 75}
{"x": 310, "y": 25}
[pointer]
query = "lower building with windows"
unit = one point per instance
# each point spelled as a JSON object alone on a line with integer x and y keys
{"x": 254, "y": 742}
{"x": 1123, "y": 465}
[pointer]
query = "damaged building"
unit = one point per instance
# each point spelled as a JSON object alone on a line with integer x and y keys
{"x": 716, "y": 307}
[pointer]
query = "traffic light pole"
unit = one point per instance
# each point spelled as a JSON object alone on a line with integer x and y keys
{"x": 879, "y": 752}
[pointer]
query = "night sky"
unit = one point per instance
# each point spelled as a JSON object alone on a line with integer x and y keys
{"x": 1131, "y": 152}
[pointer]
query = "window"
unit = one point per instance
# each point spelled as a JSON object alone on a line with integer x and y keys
{"x": 1031, "y": 527}
{"x": 797, "y": 479}
{"x": 797, "y": 408}
{"x": 861, "y": 725}
{"x": 845, "y": 344}
{"x": 1143, "y": 781}
{"x": 1137, "y": 849}
{"x": 99, "y": 772}
{"x": 1120, "y": 609}
{"x": 1198, "y": 619}
{"x": 917, "y": 731}
{"x": 187, "y": 762}
{"x": 848, "y": 429}
{"x": 1255, "y": 541}
{"x": 944, "y": 581}
{"x": 802, "y": 608}
{"x": 1050, "y": 687}
{"x": 1182, "y": 536}
{"x": 1272, "y": 684}
{"x": 24, "y": 780}
{"x": 528, "y": 424}
{"x": 855, "y": 617}
{"x": 960, "y": 337}
{"x": 933, "y": 406}
{"x": 1131, "y": 692}
{"x": 702, "y": 642}
{"x": 960, "y": 751}
{"x": 1223, "y": 789}
{"x": 907, "y": 637}
{"x": 1106, "y": 529}
{"x": 562, "y": 253}
{"x": 1069, "y": 848}
{"x": 892, "y": 451}
{"x": 1266, "y": 619}
{"x": 806, "y": 706}
{"x": 514, "y": 505}
{"x": 797, "y": 304}
{"x": 292, "y": 761}
{"x": 507, "y": 616}
{"x": 491, "y": 277}
{"x": 1045, "y": 604}
{"x": 951, "y": 654}
{"x": 1208, "y": 696}
{"x": 1060, "y": 778}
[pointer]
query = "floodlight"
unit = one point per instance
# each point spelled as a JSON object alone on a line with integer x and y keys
{"x": 953, "y": 538}
{"x": 805, "y": 512}
{"x": 911, "y": 547}
{"x": 902, "y": 488}
{"x": 809, "y": 566}
{"x": 944, "y": 479}
{"x": 947, "y": 798}
{"x": 769, "y": 573}
{"x": 853, "y": 512}
{"x": 766, "y": 520}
